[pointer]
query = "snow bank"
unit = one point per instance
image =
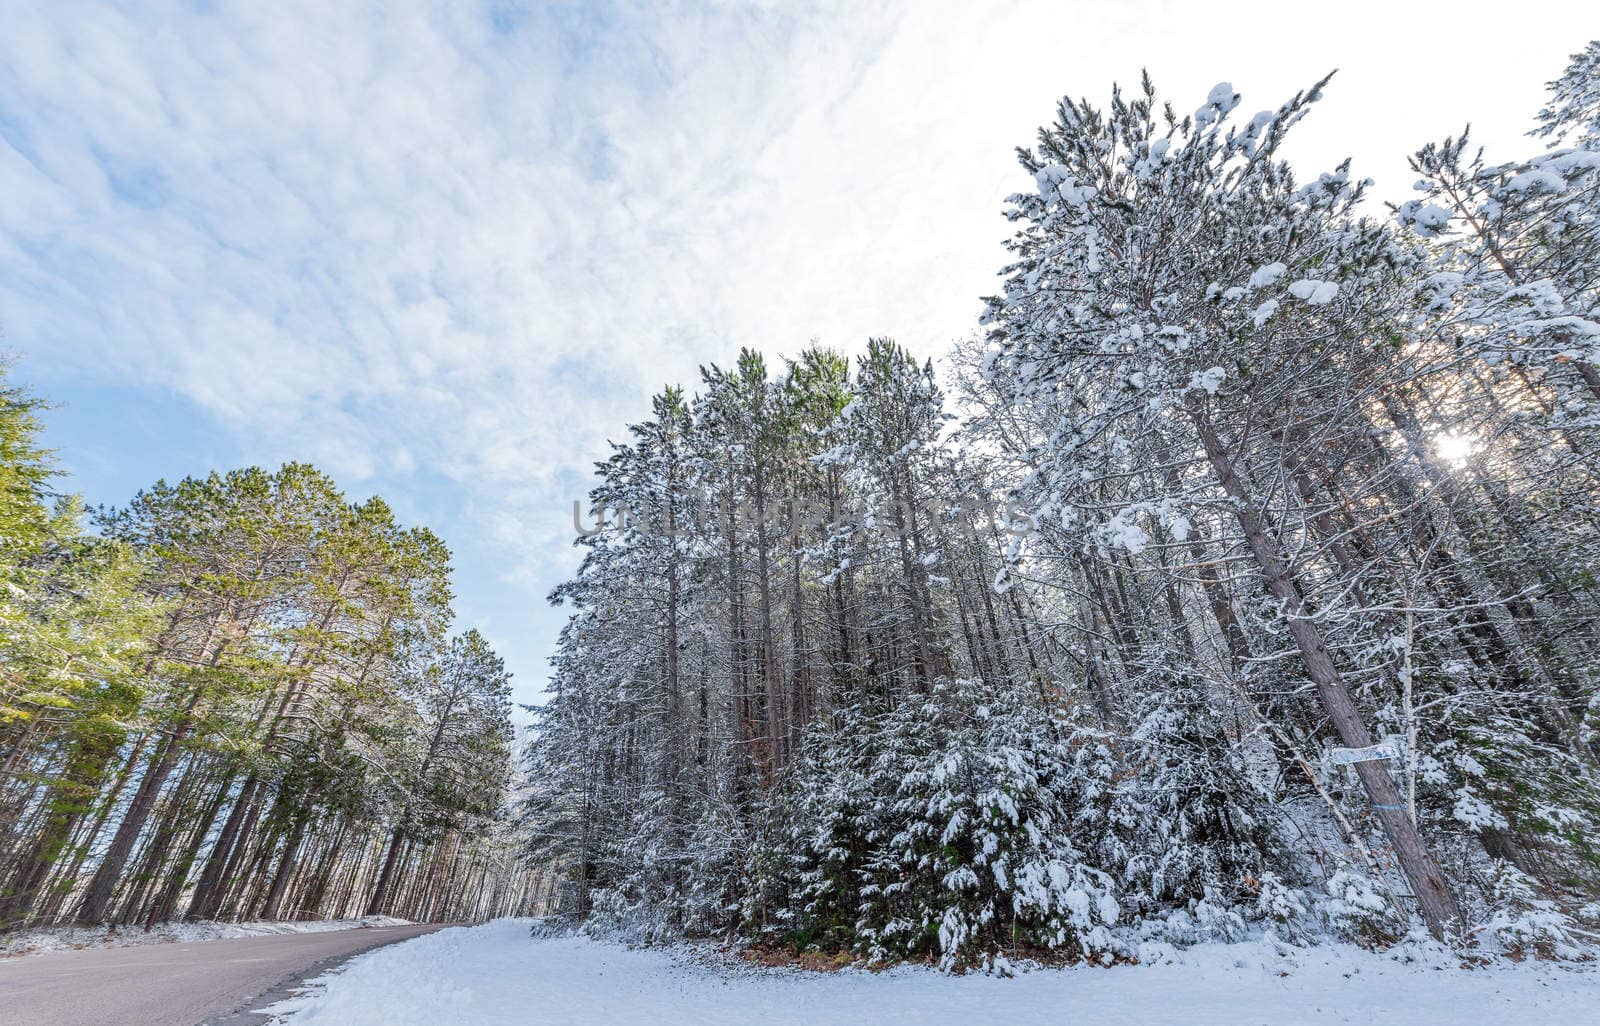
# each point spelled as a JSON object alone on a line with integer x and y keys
{"x": 70, "y": 938}
{"x": 498, "y": 975}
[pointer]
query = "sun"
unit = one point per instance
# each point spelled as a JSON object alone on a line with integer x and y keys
{"x": 1454, "y": 447}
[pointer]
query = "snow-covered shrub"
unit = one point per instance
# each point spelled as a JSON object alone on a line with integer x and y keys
{"x": 715, "y": 848}
{"x": 802, "y": 875}
{"x": 1524, "y": 922}
{"x": 1192, "y": 819}
{"x": 1284, "y": 910}
{"x": 1207, "y": 919}
{"x": 676, "y": 869}
{"x": 1492, "y": 790}
{"x": 941, "y": 829}
{"x": 614, "y": 913}
{"x": 638, "y": 892}
{"x": 1356, "y": 908}
{"x": 1492, "y": 777}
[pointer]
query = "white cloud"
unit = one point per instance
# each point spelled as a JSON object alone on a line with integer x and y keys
{"x": 470, "y": 243}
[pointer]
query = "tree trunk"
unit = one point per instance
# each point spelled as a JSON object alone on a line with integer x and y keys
{"x": 93, "y": 908}
{"x": 769, "y": 662}
{"x": 1437, "y": 904}
{"x": 270, "y": 909}
{"x": 207, "y": 894}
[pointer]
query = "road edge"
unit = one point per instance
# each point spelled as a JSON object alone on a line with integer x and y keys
{"x": 247, "y": 1013}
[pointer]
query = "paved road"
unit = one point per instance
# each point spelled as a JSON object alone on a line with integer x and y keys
{"x": 171, "y": 984}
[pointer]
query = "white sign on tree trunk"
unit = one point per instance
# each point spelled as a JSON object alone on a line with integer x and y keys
{"x": 1382, "y": 751}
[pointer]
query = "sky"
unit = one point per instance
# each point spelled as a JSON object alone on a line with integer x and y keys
{"x": 446, "y": 251}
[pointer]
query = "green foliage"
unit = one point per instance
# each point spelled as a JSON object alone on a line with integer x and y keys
{"x": 941, "y": 829}
{"x": 250, "y": 626}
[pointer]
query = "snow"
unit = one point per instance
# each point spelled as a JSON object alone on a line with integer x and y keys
{"x": 69, "y": 938}
{"x": 1262, "y": 119}
{"x": 499, "y": 975}
{"x": 1209, "y": 380}
{"x": 1537, "y": 180}
{"x": 1429, "y": 219}
{"x": 1476, "y": 813}
{"x": 1122, "y": 531}
{"x": 1219, "y": 102}
{"x": 1315, "y": 292}
{"x": 1264, "y": 276}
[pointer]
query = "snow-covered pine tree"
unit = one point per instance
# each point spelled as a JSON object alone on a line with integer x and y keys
{"x": 941, "y": 828}
{"x": 1185, "y": 325}
{"x": 1278, "y": 479}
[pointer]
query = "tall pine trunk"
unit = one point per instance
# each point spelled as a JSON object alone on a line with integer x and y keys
{"x": 1421, "y": 869}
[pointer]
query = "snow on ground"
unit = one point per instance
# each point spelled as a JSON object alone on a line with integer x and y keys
{"x": 498, "y": 975}
{"x": 71, "y": 938}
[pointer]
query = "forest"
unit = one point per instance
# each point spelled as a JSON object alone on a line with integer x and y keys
{"x": 1237, "y": 573}
{"x": 238, "y": 698}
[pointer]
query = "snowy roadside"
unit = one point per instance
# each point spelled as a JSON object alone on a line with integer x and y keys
{"x": 73, "y": 938}
{"x": 499, "y": 975}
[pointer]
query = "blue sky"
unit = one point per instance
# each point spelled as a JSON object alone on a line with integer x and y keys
{"x": 446, "y": 251}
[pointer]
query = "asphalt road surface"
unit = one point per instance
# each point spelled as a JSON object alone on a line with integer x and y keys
{"x": 173, "y": 984}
